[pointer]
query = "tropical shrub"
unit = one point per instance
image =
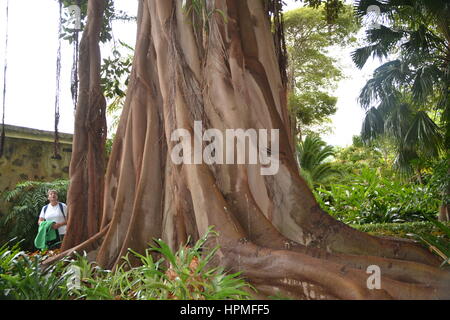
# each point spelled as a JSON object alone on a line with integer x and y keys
{"x": 182, "y": 275}
{"x": 7, "y": 256}
{"x": 373, "y": 199}
{"x": 439, "y": 180}
{"x": 22, "y": 276}
{"x": 185, "y": 274}
{"x": 438, "y": 244}
{"x": 27, "y": 200}
{"x": 349, "y": 161}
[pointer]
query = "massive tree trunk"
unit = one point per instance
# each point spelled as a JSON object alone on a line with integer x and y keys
{"x": 224, "y": 72}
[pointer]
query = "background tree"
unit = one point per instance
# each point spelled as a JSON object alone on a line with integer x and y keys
{"x": 313, "y": 71}
{"x": 99, "y": 80}
{"x": 87, "y": 165}
{"x": 225, "y": 73}
{"x": 115, "y": 75}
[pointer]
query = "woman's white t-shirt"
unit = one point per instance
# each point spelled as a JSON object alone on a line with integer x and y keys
{"x": 54, "y": 213}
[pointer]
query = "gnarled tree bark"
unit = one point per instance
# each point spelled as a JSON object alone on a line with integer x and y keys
{"x": 226, "y": 74}
{"x": 87, "y": 166}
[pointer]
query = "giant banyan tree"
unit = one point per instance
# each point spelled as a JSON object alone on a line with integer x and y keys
{"x": 217, "y": 63}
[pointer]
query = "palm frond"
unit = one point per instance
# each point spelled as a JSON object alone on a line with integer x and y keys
{"x": 405, "y": 157}
{"x": 384, "y": 84}
{"x": 361, "y": 55}
{"x": 425, "y": 135}
{"x": 382, "y": 42}
{"x": 312, "y": 154}
{"x": 417, "y": 32}
{"x": 323, "y": 171}
{"x": 425, "y": 79}
{"x": 373, "y": 125}
{"x": 398, "y": 122}
{"x": 361, "y": 6}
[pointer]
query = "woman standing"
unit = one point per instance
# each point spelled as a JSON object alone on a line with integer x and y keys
{"x": 55, "y": 211}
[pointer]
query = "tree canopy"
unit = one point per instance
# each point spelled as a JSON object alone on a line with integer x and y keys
{"x": 313, "y": 71}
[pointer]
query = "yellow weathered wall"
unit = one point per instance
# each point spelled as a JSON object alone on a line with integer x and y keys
{"x": 28, "y": 156}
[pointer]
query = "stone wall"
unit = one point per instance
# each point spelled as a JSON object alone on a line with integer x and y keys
{"x": 28, "y": 155}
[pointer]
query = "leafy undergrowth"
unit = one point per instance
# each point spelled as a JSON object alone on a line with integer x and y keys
{"x": 371, "y": 199}
{"x": 185, "y": 274}
{"x": 399, "y": 230}
{"x": 159, "y": 273}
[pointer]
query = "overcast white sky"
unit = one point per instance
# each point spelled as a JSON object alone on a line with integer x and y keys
{"x": 31, "y": 77}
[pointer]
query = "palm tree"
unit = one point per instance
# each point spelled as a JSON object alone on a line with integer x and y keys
{"x": 312, "y": 154}
{"x": 404, "y": 91}
{"x": 409, "y": 87}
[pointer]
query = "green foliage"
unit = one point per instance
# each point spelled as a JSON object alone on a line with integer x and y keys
{"x": 200, "y": 13}
{"x": 176, "y": 275}
{"x": 312, "y": 154}
{"x": 351, "y": 160}
{"x": 313, "y": 71}
{"x": 310, "y": 22}
{"x": 110, "y": 14}
{"x": 332, "y": 8}
{"x": 368, "y": 190}
{"x": 184, "y": 274}
{"x": 311, "y": 109}
{"x": 374, "y": 199}
{"x": 7, "y": 256}
{"x": 23, "y": 278}
{"x": 405, "y": 92}
{"x": 27, "y": 200}
{"x": 398, "y": 230}
{"x": 439, "y": 179}
{"x": 439, "y": 244}
{"x": 115, "y": 76}
{"x": 115, "y": 72}
{"x": 415, "y": 136}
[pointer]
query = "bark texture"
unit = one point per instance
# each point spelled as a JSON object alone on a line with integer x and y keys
{"x": 226, "y": 74}
{"x": 87, "y": 166}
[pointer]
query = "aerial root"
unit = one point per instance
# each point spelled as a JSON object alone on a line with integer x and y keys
{"x": 87, "y": 246}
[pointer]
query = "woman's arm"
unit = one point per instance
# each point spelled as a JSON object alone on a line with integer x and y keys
{"x": 40, "y": 220}
{"x": 59, "y": 225}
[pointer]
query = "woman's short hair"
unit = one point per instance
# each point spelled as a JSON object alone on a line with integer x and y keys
{"x": 51, "y": 191}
